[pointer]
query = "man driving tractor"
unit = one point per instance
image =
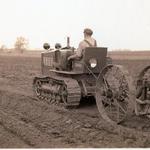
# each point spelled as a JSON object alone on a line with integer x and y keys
{"x": 87, "y": 42}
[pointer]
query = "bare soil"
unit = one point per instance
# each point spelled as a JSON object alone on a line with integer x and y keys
{"x": 26, "y": 122}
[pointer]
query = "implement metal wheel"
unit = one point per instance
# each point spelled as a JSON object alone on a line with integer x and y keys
{"x": 143, "y": 76}
{"x": 143, "y": 93}
{"x": 115, "y": 94}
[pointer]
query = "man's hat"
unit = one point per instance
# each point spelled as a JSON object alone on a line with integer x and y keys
{"x": 88, "y": 31}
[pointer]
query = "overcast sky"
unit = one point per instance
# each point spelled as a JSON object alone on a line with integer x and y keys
{"x": 116, "y": 23}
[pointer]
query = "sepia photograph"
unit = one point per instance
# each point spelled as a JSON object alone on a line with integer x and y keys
{"x": 74, "y": 74}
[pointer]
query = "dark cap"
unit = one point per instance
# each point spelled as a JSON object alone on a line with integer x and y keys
{"x": 88, "y": 31}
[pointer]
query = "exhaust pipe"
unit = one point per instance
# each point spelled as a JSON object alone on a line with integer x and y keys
{"x": 68, "y": 42}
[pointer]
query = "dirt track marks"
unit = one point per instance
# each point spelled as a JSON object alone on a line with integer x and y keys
{"x": 9, "y": 140}
{"x": 26, "y": 132}
{"x": 24, "y": 118}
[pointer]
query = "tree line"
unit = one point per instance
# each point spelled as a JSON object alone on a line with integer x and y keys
{"x": 20, "y": 45}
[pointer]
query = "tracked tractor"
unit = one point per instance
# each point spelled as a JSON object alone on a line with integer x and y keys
{"x": 65, "y": 83}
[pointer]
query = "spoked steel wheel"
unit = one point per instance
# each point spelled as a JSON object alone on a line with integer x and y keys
{"x": 114, "y": 94}
{"x": 143, "y": 92}
{"x": 144, "y": 76}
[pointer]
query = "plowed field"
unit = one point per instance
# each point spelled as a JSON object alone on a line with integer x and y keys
{"x": 26, "y": 122}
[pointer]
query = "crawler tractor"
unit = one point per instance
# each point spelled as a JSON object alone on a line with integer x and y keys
{"x": 66, "y": 82}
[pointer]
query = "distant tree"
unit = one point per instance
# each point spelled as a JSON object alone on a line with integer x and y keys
{"x": 21, "y": 44}
{"x": 3, "y": 48}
